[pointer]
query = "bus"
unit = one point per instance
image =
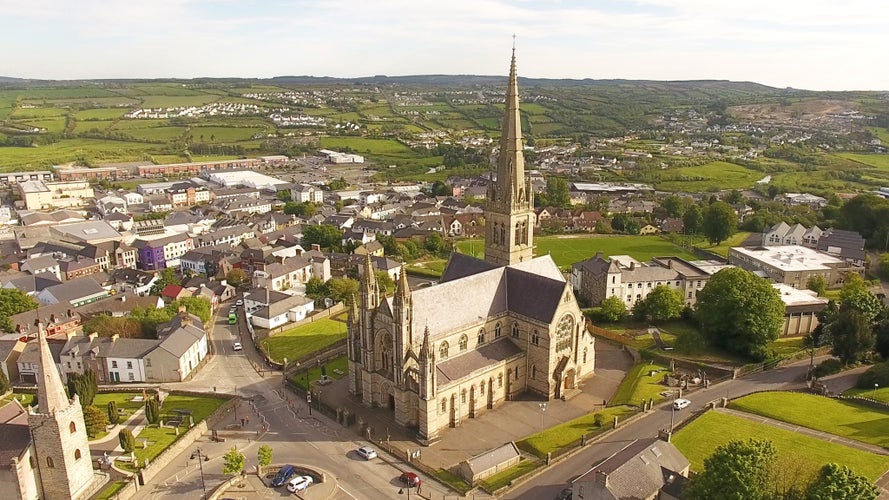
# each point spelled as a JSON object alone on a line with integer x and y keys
{"x": 232, "y": 318}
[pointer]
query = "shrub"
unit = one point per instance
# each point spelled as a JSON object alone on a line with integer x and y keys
{"x": 877, "y": 374}
{"x": 127, "y": 441}
{"x": 828, "y": 367}
{"x": 598, "y": 420}
{"x": 152, "y": 411}
{"x": 113, "y": 416}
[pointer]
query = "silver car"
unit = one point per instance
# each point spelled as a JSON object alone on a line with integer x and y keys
{"x": 366, "y": 452}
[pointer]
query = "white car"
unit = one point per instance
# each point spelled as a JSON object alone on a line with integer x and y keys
{"x": 680, "y": 404}
{"x": 236, "y": 346}
{"x": 366, "y": 452}
{"x": 299, "y": 483}
{"x": 239, "y": 302}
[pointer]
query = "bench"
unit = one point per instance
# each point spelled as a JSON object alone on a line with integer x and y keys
{"x": 338, "y": 371}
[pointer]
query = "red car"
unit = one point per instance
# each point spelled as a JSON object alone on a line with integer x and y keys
{"x": 410, "y": 479}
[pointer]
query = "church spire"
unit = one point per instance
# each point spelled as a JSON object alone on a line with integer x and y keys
{"x": 51, "y": 395}
{"x": 425, "y": 348}
{"x": 509, "y": 213}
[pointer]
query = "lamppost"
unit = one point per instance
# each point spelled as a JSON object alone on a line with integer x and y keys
{"x": 197, "y": 453}
{"x": 284, "y": 372}
{"x": 542, "y": 407}
{"x": 875, "y": 391}
{"x": 309, "y": 401}
{"x": 672, "y": 412}
{"x": 401, "y": 492}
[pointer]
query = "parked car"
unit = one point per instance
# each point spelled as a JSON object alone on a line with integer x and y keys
{"x": 366, "y": 452}
{"x": 680, "y": 404}
{"x": 283, "y": 475}
{"x": 299, "y": 483}
{"x": 239, "y": 302}
{"x": 236, "y": 346}
{"x": 410, "y": 479}
{"x": 565, "y": 494}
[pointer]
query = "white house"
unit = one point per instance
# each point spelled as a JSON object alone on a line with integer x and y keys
{"x": 293, "y": 308}
{"x": 306, "y": 193}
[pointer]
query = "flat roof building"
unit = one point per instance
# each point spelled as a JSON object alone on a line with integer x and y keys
{"x": 793, "y": 265}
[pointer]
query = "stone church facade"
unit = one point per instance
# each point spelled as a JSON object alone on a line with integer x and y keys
{"x": 488, "y": 331}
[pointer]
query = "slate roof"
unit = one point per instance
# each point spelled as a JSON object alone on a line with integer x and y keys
{"x": 48, "y": 314}
{"x": 6, "y": 347}
{"x": 490, "y": 459}
{"x": 35, "y": 263}
{"x": 130, "y": 348}
{"x": 75, "y": 289}
{"x": 459, "y": 366}
{"x": 15, "y": 435}
{"x": 851, "y": 243}
{"x": 640, "y": 469}
{"x": 462, "y": 265}
{"x": 280, "y": 307}
{"x": 181, "y": 339}
{"x": 35, "y": 283}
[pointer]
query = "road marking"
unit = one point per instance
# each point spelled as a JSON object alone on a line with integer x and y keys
{"x": 345, "y": 491}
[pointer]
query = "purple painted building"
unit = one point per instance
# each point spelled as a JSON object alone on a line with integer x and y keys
{"x": 151, "y": 255}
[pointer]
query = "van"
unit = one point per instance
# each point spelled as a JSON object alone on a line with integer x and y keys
{"x": 283, "y": 475}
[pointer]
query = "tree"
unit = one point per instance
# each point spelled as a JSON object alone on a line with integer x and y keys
{"x": 735, "y": 471}
{"x": 663, "y": 303}
{"x": 199, "y": 306}
{"x": 338, "y": 184}
{"x": 84, "y": 385}
{"x": 851, "y": 335}
{"x": 692, "y": 220}
{"x": 315, "y": 288}
{"x": 95, "y": 420}
{"x": 264, "y": 455}
{"x": 817, "y": 284}
{"x": 720, "y": 222}
{"x": 113, "y": 415}
{"x": 836, "y": 481}
{"x": 300, "y": 209}
{"x": 107, "y": 326}
{"x": 127, "y": 440}
{"x": 236, "y": 277}
{"x": 613, "y": 309}
{"x": 740, "y": 312}
{"x": 152, "y": 411}
{"x": 434, "y": 243}
{"x": 557, "y": 192}
{"x": 166, "y": 277}
{"x": 4, "y": 382}
{"x": 342, "y": 289}
{"x": 13, "y": 301}
{"x": 284, "y": 195}
{"x": 884, "y": 266}
{"x": 881, "y": 338}
{"x": 855, "y": 295}
{"x": 233, "y": 462}
{"x": 673, "y": 206}
{"x": 325, "y": 236}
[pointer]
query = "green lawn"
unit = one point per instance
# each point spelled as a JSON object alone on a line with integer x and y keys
{"x": 503, "y": 478}
{"x": 161, "y": 438}
{"x": 123, "y": 399}
{"x": 566, "y": 250}
{"x": 881, "y": 394}
{"x": 880, "y": 161}
{"x": 110, "y": 491}
{"x": 842, "y": 418}
{"x": 712, "y": 176}
{"x": 700, "y": 438}
{"x": 639, "y": 385}
{"x": 25, "y": 399}
{"x": 569, "y": 433}
{"x": 722, "y": 248}
{"x": 302, "y": 340}
{"x": 340, "y": 364}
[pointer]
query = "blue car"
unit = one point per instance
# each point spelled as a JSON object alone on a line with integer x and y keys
{"x": 283, "y": 475}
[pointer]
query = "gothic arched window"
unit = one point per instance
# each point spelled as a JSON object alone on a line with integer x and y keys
{"x": 564, "y": 331}
{"x": 481, "y": 387}
{"x": 50, "y": 463}
{"x": 533, "y": 371}
{"x": 515, "y": 330}
{"x": 481, "y": 336}
{"x": 443, "y": 350}
{"x": 444, "y": 405}
{"x": 584, "y": 354}
{"x": 76, "y": 454}
{"x": 464, "y": 340}
{"x": 497, "y": 331}
{"x": 535, "y": 338}
{"x": 72, "y": 427}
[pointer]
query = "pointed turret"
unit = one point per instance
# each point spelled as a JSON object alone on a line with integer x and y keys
{"x": 370, "y": 295}
{"x": 51, "y": 395}
{"x": 425, "y": 348}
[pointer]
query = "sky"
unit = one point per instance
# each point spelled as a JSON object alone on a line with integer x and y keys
{"x": 807, "y": 44}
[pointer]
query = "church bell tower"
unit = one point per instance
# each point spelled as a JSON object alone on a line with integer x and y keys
{"x": 509, "y": 212}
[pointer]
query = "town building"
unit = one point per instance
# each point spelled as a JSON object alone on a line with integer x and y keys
{"x": 792, "y": 264}
{"x": 306, "y": 193}
{"x": 801, "y": 308}
{"x": 490, "y": 331}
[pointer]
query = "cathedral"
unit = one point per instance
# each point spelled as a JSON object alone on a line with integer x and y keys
{"x": 489, "y": 331}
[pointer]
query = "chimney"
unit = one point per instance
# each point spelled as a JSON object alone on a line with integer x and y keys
{"x": 68, "y": 335}
{"x": 316, "y": 247}
{"x": 123, "y": 298}
{"x": 70, "y": 313}
{"x": 52, "y": 318}
{"x": 114, "y": 338}
{"x": 600, "y": 254}
{"x": 670, "y": 264}
{"x": 93, "y": 335}
{"x": 632, "y": 265}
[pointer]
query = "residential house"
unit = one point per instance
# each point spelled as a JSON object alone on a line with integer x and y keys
{"x": 231, "y": 236}
{"x": 126, "y": 360}
{"x": 290, "y": 273}
{"x": 306, "y": 193}
{"x": 78, "y": 267}
{"x": 187, "y": 194}
{"x": 42, "y": 264}
{"x": 133, "y": 280}
{"x": 182, "y": 348}
{"x": 293, "y": 308}
{"x": 120, "y": 305}
{"x": 78, "y": 292}
{"x": 646, "y": 469}
{"x": 81, "y": 353}
{"x": 59, "y": 319}
{"x": 28, "y": 363}
{"x": 242, "y": 205}
{"x": 10, "y": 350}
{"x": 782, "y": 234}
{"x": 160, "y": 253}
{"x": 32, "y": 285}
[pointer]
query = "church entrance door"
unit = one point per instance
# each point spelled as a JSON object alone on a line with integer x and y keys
{"x": 569, "y": 379}
{"x": 490, "y": 393}
{"x": 392, "y": 402}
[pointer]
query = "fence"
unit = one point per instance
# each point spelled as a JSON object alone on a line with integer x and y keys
{"x": 326, "y": 313}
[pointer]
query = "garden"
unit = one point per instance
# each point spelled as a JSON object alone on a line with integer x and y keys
{"x": 303, "y": 340}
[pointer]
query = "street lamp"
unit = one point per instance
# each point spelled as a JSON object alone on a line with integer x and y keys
{"x": 284, "y": 372}
{"x": 542, "y": 407}
{"x": 875, "y": 391}
{"x": 401, "y": 492}
{"x": 197, "y": 453}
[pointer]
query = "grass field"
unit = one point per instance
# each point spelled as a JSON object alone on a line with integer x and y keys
{"x": 842, "y": 418}
{"x": 722, "y": 248}
{"x": 566, "y": 250}
{"x": 160, "y": 438}
{"x": 226, "y": 134}
{"x": 880, "y": 161}
{"x": 111, "y": 490}
{"x": 639, "y": 385}
{"x": 177, "y": 101}
{"x": 363, "y": 145}
{"x": 336, "y": 368}
{"x": 881, "y": 394}
{"x": 297, "y": 342}
{"x": 569, "y": 433}
{"x": 25, "y": 399}
{"x": 100, "y": 113}
{"x": 710, "y": 177}
{"x": 700, "y": 438}
{"x": 69, "y": 150}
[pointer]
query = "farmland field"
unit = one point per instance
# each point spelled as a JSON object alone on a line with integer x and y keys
{"x": 880, "y": 161}
{"x": 700, "y": 438}
{"x": 710, "y": 177}
{"x": 69, "y": 150}
{"x": 566, "y": 250}
{"x": 366, "y": 146}
{"x": 225, "y": 134}
{"x": 100, "y": 114}
{"x": 174, "y": 101}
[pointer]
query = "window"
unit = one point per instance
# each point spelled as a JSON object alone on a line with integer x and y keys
{"x": 147, "y": 362}
{"x": 563, "y": 333}
{"x": 76, "y": 454}
{"x": 443, "y": 350}
{"x": 50, "y": 463}
{"x": 481, "y": 336}
{"x": 689, "y": 294}
{"x": 444, "y": 405}
{"x": 114, "y": 364}
{"x": 612, "y": 279}
{"x": 69, "y": 365}
{"x": 463, "y": 397}
{"x": 78, "y": 365}
{"x": 129, "y": 365}
{"x": 463, "y": 342}
{"x": 535, "y": 338}
{"x": 131, "y": 376}
{"x": 481, "y": 387}
{"x": 534, "y": 371}
{"x": 497, "y": 331}
{"x": 584, "y": 354}
{"x": 638, "y": 285}
{"x": 515, "y": 330}
{"x": 500, "y": 380}
{"x": 72, "y": 427}
{"x": 649, "y": 284}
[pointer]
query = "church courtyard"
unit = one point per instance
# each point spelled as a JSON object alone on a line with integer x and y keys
{"x": 511, "y": 421}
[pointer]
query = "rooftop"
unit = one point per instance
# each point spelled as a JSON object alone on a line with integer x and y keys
{"x": 790, "y": 258}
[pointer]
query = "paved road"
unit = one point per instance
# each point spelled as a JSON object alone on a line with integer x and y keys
{"x": 548, "y": 484}
{"x": 294, "y": 436}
